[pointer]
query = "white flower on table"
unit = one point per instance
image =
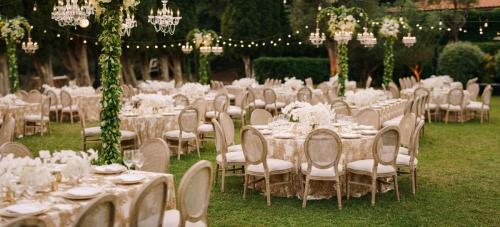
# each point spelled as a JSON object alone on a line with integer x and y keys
{"x": 293, "y": 83}
{"x": 245, "y": 82}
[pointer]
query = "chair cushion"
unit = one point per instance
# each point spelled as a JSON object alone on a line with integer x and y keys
{"x": 258, "y": 103}
{"x": 236, "y": 156}
{"x": 272, "y": 164}
{"x": 403, "y": 150}
{"x": 234, "y": 110}
{"x": 175, "y": 134}
{"x": 171, "y": 218}
{"x": 92, "y": 131}
{"x": 450, "y": 107}
{"x": 279, "y": 105}
{"x": 315, "y": 172}
{"x": 206, "y": 128}
{"x": 367, "y": 165}
{"x": 405, "y": 160}
{"x": 234, "y": 148}
{"x": 231, "y": 96}
{"x": 73, "y": 108}
{"x": 35, "y": 117}
{"x": 393, "y": 122}
{"x": 127, "y": 134}
{"x": 431, "y": 106}
{"x": 477, "y": 106}
{"x": 210, "y": 114}
{"x": 54, "y": 108}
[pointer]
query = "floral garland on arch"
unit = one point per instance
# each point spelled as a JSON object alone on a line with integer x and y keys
{"x": 12, "y": 31}
{"x": 203, "y": 39}
{"x": 342, "y": 24}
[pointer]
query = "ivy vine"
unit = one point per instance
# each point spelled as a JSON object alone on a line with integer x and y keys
{"x": 12, "y": 66}
{"x": 203, "y": 70}
{"x": 344, "y": 67}
{"x": 12, "y": 31}
{"x": 388, "y": 60}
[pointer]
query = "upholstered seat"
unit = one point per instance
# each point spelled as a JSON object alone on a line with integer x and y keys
{"x": 452, "y": 108}
{"x": 315, "y": 172}
{"x": 477, "y": 106}
{"x": 67, "y": 108}
{"x": 35, "y": 117}
{"x": 234, "y": 148}
{"x": 403, "y": 150}
{"x": 127, "y": 134}
{"x": 234, "y": 110}
{"x": 258, "y": 103}
{"x": 92, "y": 131}
{"x": 236, "y": 156}
{"x": 54, "y": 108}
{"x": 393, "y": 122}
{"x": 403, "y": 159}
{"x": 203, "y": 128}
{"x": 231, "y": 96}
{"x": 367, "y": 166}
{"x": 210, "y": 114}
{"x": 171, "y": 218}
{"x": 431, "y": 106}
{"x": 272, "y": 164}
{"x": 278, "y": 105}
{"x": 175, "y": 134}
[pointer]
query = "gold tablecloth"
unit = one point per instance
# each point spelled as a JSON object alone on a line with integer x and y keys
{"x": 63, "y": 212}
{"x": 18, "y": 112}
{"x": 91, "y": 105}
{"x": 386, "y": 112}
{"x": 149, "y": 126}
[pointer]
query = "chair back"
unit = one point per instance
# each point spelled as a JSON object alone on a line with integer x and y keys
{"x": 45, "y": 108}
{"x": 341, "y": 108}
{"x": 456, "y": 97}
{"x": 368, "y": 82}
{"x": 332, "y": 95}
{"x": 421, "y": 91}
{"x": 194, "y": 192}
{"x": 221, "y": 104}
{"x": 393, "y": 88}
{"x": 416, "y": 105}
{"x": 53, "y": 98}
{"x": 406, "y": 128}
{"x": 181, "y": 100}
{"x": 304, "y": 95}
{"x": 22, "y": 94}
{"x": 402, "y": 83}
{"x": 17, "y": 149}
{"x": 66, "y": 99}
{"x": 101, "y": 211}
{"x": 385, "y": 146}
{"x": 34, "y": 96}
{"x": 368, "y": 117}
{"x": 149, "y": 206}
{"x": 188, "y": 120}
{"x": 254, "y": 146}
{"x": 324, "y": 88}
{"x": 415, "y": 141}
{"x": 201, "y": 105}
{"x": 269, "y": 96}
{"x": 156, "y": 156}
{"x": 220, "y": 140}
{"x": 131, "y": 90}
{"x": 260, "y": 117}
{"x": 8, "y": 129}
{"x": 241, "y": 100}
{"x": 227, "y": 124}
{"x": 413, "y": 80}
{"x": 323, "y": 149}
{"x": 125, "y": 91}
{"x": 309, "y": 83}
{"x": 473, "y": 89}
{"x": 486, "y": 96}
{"x": 82, "y": 117}
{"x": 26, "y": 221}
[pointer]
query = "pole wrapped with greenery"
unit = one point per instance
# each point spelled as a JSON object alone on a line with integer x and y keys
{"x": 12, "y": 31}
{"x": 344, "y": 67}
{"x": 388, "y": 60}
{"x": 203, "y": 70}
{"x": 203, "y": 39}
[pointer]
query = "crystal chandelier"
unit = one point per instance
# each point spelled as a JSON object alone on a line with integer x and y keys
{"x": 316, "y": 38}
{"x": 29, "y": 47}
{"x": 342, "y": 37}
{"x": 367, "y": 39}
{"x": 69, "y": 13}
{"x": 164, "y": 20}
{"x": 205, "y": 50}
{"x": 409, "y": 40}
{"x": 187, "y": 48}
{"x": 217, "y": 50}
{"x": 128, "y": 24}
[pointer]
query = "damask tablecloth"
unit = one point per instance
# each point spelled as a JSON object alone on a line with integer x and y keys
{"x": 18, "y": 112}
{"x": 149, "y": 126}
{"x": 63, "y": 212}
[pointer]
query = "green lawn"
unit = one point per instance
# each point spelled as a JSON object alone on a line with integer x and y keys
{"x": 458, "y": 184}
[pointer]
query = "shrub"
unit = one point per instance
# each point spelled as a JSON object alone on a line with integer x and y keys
{"x": 280, "y": 67}
{"x": 489, "y": 47}
{"x": 497, "y": 63}
{"x": 461, "y": 60}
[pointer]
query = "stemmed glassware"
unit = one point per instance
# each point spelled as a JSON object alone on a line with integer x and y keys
{"x": 138, "y": 160}
{"x": 128, "y": 158}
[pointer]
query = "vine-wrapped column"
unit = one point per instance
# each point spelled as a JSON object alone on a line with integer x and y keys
{"x": 203, "y": 74}
{"x": 344, "y": 67}
{"x": 12, "y": 62}
{"x": 109, "y": 63}
{"x": 388, "y": 60}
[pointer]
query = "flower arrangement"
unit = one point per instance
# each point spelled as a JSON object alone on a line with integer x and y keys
{"x": 11, "y": 99}
{"x": 12, "y": 31}
{"x": 151, "y": 101}
{"x": 364, "y": 97}
{"x": 293, "y": 83}
{"x": 77, "y": 164}
{"x": 341, "y": 23}
{"x": 156, "y": 85}
{"x": 287, "y": 110}
{"x": 245, "y": 82}
{"x": 389, "y": 28}
{"x": 309, "y": 116}
{"x": 194, "y": 90}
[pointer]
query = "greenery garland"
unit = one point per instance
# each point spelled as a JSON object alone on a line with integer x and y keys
{"x": 12, "y": 31}
{"x": 203, "y": 70}
{"x": 388, "y": 60}
{"x": 203, "y": 38}
{"x": 344, "y": 67}
{"x": 109, "y": 63}
{"x": 12, "y": 66}
{"x": 390, "y": 28}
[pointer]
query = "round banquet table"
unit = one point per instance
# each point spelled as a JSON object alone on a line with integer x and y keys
{"x": 149, "y": 126}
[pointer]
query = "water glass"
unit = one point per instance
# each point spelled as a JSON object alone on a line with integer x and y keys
{"x": 128, "y": 158}
{"x": 138, "y": 160}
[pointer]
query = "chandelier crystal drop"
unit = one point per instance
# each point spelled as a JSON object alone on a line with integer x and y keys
{"x": 164, "y": 20}
{"x": 409, "y": 40}
{"x": 128, "y": 23}
{"x": 342, "y": 37}
{"x": 69, "y": 13}
{"x": 205, "y": 50}
{"x": 187, "y": 48}
{"x": 367, "y": 39}
{"x": 317, "y": 38}
{"x": 217, "y": 50}
{"x": 29, "y": 47}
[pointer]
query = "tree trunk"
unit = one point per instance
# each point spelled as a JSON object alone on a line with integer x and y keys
{"x": 248, "y": 66}
{"x": 164, "y": 67}
{"x": 128, "y": 73}
{"x": 145, "y": 69}
{"x": 76, "y": 61}
{"x": 44, "y": 70}
{"x": 332, "y": 57}
{"x": 4, "y": 74}
{"x": 176, "y": 62}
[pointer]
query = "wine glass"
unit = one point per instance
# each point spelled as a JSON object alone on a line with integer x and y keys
{"x": 138, "y": 160}
{"x": 128, "y": 158}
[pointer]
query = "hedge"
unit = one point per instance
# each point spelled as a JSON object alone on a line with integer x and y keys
{"x": 461, "y": 60}
{"x": 489, "y": 47}
{"x": 497, "y": 62}
{"x": 280, "y": 67}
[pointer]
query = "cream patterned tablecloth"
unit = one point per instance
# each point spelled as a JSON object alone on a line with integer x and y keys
{"x": 63, "y": 212}
{"x": 91, "y": 105}
{"x": 18, "y": 112}
{"x": 149, "y": 126}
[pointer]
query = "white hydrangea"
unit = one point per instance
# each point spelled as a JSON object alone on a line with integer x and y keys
{"x": 389, "y": 28}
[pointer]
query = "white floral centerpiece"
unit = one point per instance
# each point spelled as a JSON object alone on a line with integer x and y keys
{"x": 152, "y": 101}
{"x": 342, "y": 23}
{"x": 79, "y": 91}
{"x": 77, "y": 164}
{"x": 364, "y": 97}
{"x": 293, "y": 83}
{"x": 389, "y": 28}
{"x": 11, "y": 99}
{"x": 194, "y": 90}
{"x": 20, "y": 170}
{"x": 309, "y": 116}
{"x": 245, "y": 82}
{"x": 436, "y": 82}
{"x": 154, "y": 85}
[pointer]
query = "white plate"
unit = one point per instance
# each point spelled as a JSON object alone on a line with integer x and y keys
{"x": 17, "y": 210}
{"x": 365, "y": 127}
{"x": 82, "y": 193}
{"x": 350, "y": 135}
{"x": 129, "y": 179}
{"x": 130, "y": 114}
{"x": 369, "y": 132}
{"x": 266, "y": 132}
{"x": 109, "y": 169}
{"x": 260, "y": 126}
{"x": 377, "y": 106}
{"x": 178, "y": 108}
{"x": 284, "y": 135}
{"x": 169, "y": 114}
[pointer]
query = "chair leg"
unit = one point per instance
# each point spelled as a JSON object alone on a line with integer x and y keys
{"x": 223, "y": 177}
{"x": 429, "y": 115}
{"x": 374, "y": 189}
{"x": 198, "y": 148}
{"x": 348, "y": 185}
{"x": 413, "y": 180}
{"x": 339, "y": 193}
{"x": 306, "y": 192}
{"x": 395, "y": 179}
{"x": 268, "y": 190}
{"x": 446, "y": 117}
{"x": 71, "y": 116}
{"x": 482, "y": 116}
{"x": 179, "y": 147}
{"x": 245, "y": 186}
{"x": 217, "y": 173}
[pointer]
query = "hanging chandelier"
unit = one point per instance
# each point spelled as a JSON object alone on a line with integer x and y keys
{"x": 205, "y": 50}
{"x": 409, "y": 40}
{"x": 217, "y": 50}
{"x": 128, "y": 24}
{"x": 69, "y": 13}
{"x": 317, "y": 38}
{"x": 187, "y": 48}
{"x": 342, "y": 37}
{"x": 164, "y": 20}
{"x": 367, "y": 39}
{"x": 29, "y": 47}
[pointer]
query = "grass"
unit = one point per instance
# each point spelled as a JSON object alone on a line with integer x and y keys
{"x": 458, "y": 184}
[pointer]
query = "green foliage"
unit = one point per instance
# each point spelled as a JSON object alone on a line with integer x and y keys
{"x": 301, "y": 68}
{"x": 461, "y": 60}
{"x": 497, "y": 66}
{"x": 12, "y": 62}
{"x": 489, "y": 47}
{"x": 344, "y": 67}
{"x": 12, "y": 31}
{"x": 388, "y": 60}
{"x": 203, "y": 70}
{"x": 109, "y": 63}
